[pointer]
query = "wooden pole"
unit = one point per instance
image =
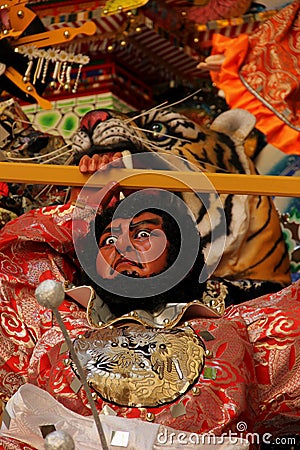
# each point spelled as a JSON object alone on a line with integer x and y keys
{"x": 285, "y": 186}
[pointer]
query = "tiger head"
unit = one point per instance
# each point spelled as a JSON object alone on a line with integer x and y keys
{"x": 165, "y": 131}
{"x": 254, "y": 245}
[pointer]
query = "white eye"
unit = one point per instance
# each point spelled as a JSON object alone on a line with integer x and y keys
{"x": 142, "y": 234}
{"x": 110, "y": 240}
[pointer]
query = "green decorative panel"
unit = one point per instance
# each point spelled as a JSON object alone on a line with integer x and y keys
{"x": 64, "y": 117}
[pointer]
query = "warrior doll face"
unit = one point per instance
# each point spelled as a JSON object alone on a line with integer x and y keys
{"x": 135, "y": 247}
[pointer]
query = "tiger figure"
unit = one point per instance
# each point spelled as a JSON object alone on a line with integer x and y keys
{"x": 255, "y": 250}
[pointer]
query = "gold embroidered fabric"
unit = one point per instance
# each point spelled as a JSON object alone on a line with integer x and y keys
{"x": 140, "y": 367}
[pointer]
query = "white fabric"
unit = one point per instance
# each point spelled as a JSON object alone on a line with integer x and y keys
{"x": 32, "y": 407}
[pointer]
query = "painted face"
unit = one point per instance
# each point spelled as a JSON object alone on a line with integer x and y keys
{"x": 135, "y": 246}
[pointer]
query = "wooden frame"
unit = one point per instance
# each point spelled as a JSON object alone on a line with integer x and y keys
{"x": 285, "y": 186}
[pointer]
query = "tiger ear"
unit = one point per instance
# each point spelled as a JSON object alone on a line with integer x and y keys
{"x": 237, "y": 123}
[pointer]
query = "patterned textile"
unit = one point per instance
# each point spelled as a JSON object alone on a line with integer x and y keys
{"x": 261, "y": 74}
{"x": 271, "y": 70}
{"x": 291, "y": 231}
{"x": 273, "y": 324}
{"x": 215, "y": 9}
{"x": 248, "y": 350}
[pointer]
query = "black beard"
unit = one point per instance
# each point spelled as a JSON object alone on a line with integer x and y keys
{"x": 120, "y": 305}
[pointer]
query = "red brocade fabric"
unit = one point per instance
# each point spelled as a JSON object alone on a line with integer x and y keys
{"x": 252, "y": 375}
{"x": 273, "y": 325}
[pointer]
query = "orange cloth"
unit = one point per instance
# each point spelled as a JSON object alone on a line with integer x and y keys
{"x": 262, "y": 58}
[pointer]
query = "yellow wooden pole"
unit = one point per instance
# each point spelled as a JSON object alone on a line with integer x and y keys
{"x": 284, "y": 186}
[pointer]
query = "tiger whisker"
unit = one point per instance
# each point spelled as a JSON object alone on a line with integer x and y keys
{"x": 45, "y": 155}
{"x": 48, "y": 188}
{"x": 161, "y": 151}
{"x": 145, "y": 112}
{"x": 162, "y": 134}
{"x": 182, "y": 100}
{"x": 148, "y": 144}
{"x": 153, "y": 146}
{"x": 163, "y": 106}
{"x": 58, "y": 156}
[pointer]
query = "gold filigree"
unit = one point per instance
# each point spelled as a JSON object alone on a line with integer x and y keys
{"x": 169, "y": 317}
{"x": 214, "y": 296}
{"x": 138, "y": 367}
